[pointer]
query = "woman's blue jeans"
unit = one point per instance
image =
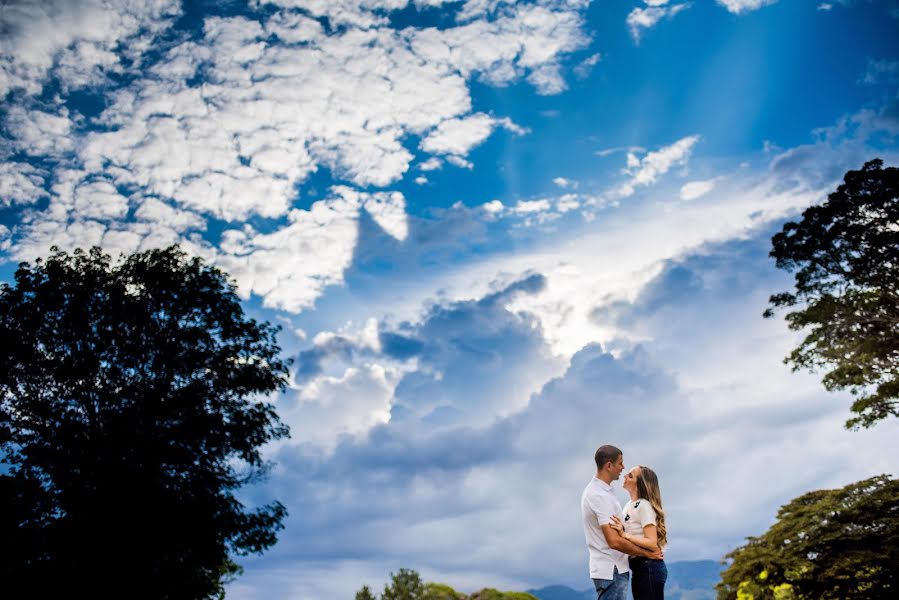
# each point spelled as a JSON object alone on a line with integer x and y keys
{"x": 648, "y": 578}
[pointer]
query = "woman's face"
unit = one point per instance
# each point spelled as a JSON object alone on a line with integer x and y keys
{"x": 630, "y": 480}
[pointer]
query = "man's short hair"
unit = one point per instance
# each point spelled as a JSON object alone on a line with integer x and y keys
{"x": 606, "y": 454}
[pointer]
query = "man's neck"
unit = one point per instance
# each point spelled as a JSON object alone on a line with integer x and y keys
{"x": 604, "y": 477}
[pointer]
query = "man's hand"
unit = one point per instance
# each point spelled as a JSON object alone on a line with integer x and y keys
{"x": 657, "y": 554}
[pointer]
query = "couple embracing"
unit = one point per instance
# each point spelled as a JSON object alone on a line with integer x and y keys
{"x": 624, "y": 543}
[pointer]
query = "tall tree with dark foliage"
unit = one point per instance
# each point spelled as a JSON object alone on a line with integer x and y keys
{"x": 845, "y": 255}
{"x": 131, "y": 410}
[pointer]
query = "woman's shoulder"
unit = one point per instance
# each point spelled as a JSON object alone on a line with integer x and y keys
{"x": 642, "y": 504}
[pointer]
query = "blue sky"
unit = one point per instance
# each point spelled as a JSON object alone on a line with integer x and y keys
{"x": 496, "y": 234}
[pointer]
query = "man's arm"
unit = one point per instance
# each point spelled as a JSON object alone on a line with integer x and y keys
{"x": 615, "y": 541}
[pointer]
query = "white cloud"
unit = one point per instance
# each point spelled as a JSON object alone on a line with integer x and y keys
{"x": 458, "y": 136}
{"x": 588, "y": 263}
{"x": 584, "y": 68}
{"x": 609, "y": 151}
{"x": 644, "y": 18}
{"x": 585, "y": 271}
{"x": 99, "y": 200}
{"x": 37, "y": 132}
{"x": 153, "y": 210}
{"x": 328, "y": 407}
{"x": 564, "y": 183}
{"x": 568, "y": 202}
{"x": 353, "y": 13}
{"x": 532, "y": 206}
{"x": 86, "y": 64}
{"x": 743, "y": 6}
{"x": 493, "y": 207}
{"x": 294, "y": 28}
{"x": 460, "y": 162}
{"x": 74, "y": 40}
{"x": 291, "y": 266}
{"x": 47, "y": 233}
{"x": 388, "y": 209}
{"x": 695, "y": 189}
{"x": 647, "y": 170}
{"x": 20, "y": 183}
{"x": 432, "y": 164}
{"x": 615, "y": 256}
{"x": 280, "y": 267}
{"x": 548, "y": 80}
{"x": 279, "y": 100}
{"x": 525, "y": 38}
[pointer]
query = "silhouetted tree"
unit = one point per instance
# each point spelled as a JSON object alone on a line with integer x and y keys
{"x": 826, "y": 545}
{"x": 845, "y": 253}
{"x": 130, "y": 413}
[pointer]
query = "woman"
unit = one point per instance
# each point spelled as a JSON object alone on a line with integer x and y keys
{"x": 644, "y": 525}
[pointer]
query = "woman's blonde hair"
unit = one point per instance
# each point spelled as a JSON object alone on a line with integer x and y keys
{"x": 648, "y": 489}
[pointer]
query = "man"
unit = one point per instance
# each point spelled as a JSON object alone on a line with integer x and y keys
{"x": 608, "y": 550}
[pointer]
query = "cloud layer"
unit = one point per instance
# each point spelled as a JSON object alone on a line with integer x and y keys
{"x": 431, "y": 487}
{"x": 225, "y": 123}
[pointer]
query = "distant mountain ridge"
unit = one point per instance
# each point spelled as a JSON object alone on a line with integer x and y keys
{"x": 687, "y": 580}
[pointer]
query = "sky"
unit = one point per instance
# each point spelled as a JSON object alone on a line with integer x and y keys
{"x": 496, "y": 235}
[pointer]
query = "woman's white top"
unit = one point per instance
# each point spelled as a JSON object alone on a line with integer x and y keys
{"x": 636, "y": 515}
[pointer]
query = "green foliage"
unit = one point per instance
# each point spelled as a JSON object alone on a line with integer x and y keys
{"x": 827, "y": 544}
{"x": 440, "y": 591}
{"x": 492, "y": 594}
{"x": 407, "y": 585}
{"x": 845, "y": 254}
{"x": 129, "y": 415}
{"x": 365, "y": 594}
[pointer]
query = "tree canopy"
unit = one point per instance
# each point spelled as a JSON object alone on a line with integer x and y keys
{"x": 365, "y": 594}
{"x": 407, "y": 584}
{"x": 404, "y": 585}
{"x": 131, "y": 410}
{"x": 838, "y": 544}
{"x": 845, "y": 254}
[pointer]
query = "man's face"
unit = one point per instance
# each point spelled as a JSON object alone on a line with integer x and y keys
{"x": 617, "y": 467}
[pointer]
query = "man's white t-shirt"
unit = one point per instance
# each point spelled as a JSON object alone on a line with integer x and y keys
{"x": 598, "y": 504}
{"x": 638, "y": 514}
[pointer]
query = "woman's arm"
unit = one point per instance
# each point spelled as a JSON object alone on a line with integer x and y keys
{"x": 649, "y": 539}
{"x": 617, "y": 542}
